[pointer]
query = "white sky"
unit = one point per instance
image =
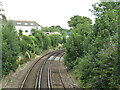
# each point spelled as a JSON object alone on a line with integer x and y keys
{"x": 47, "y": 12}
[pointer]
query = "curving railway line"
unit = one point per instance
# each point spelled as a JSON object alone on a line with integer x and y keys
{"x": 45, "y": 72}
{"x": 43, "y": 78}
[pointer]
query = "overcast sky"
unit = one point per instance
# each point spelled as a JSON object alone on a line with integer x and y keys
{"x": 47, "y": 12}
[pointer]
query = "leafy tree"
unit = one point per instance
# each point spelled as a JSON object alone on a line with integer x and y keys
{"x": 10, "y": 48}
{"x": 78, "y": 20}
{"x": 51, "y": 29}
{"x": 42, "y": 40}
{"x": 39, "y": 40}
{"x": 75, "y": 43}
{"x": 106, "y": 34}
{"x": 55, "y": 39}
{"x": 97, "y": 65}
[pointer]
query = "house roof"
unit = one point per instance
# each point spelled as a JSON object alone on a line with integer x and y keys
{"x": 24, "y": 23}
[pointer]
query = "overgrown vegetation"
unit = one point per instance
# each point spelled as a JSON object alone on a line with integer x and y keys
{"x": 10, "y": 48}
{"x": 92, "y": 50}
{"x": 18, "y": 48}
{"x": 58, "y": 29}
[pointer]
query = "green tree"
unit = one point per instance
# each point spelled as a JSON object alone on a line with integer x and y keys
{"x": 97, "y": 65}
{"x": 74, "y": 21}
{"x": 42, "y": 40}
{"x": 51, "y": 29}
{"x": 105, "y": 38}
{"x": 55, "y": 39}
{"x": 10, "y": 48}
{"x": 75, "y": 43}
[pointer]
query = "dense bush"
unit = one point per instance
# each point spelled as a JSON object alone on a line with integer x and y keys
{"x": 58, "y": 29}
{"x": 55, "y": 40}
{"x": 42, "y": 40}
{"x": 18, "y": 48}
{"x": 75, "y": 43}
{"x": 36, "y": 43}
{"x": 92, "y": 51}
{"x": 10, "y": 48}
{"x": 51, "y": 29}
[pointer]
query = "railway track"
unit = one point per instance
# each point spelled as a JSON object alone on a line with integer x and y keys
{"x": 59, "y": 75}
{"x": 29, "y": 80}
{"x": 43, "y": 79}
{"x": 57, "y": 81}
{"x": 63, "y": 74}
{"x": 47, "y": 72}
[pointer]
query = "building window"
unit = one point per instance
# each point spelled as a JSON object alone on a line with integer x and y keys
{"x": 26, "y": 31}
{"x": 26, "y": 24}
{"x": 31, "y": 23}
{"x": 18, "y": 23}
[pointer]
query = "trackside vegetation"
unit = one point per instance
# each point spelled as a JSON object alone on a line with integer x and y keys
{"x": 18, "y": 48}
{"x": 92, "y": 49}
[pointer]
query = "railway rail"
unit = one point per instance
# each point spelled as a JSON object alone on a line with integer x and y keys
{"x": 47, "y": 72}
{"x": 29, "y": 80}
{"x": 43, "y": 78}
{"x": 72, "y": 83}
{"x": 55, "y": 78}
{"x": 61, "y": 74}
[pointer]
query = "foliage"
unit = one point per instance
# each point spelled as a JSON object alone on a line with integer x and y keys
{"x": 78, "y": 20}
{"x": 10, "y": 48}
{"x": 18, "y": 48}
{"x": 37, "y": 42}
{"x": 55, "y": 39}
{"x": 58, "y": 29}
{"x": 51, "y": 29}
{"x": 32, "y": 44}
{"x": 54, "y": 29}
{"x": 75, "y": 43}
{"x": 92, "y": 51}
{"x": 42, "y": 41}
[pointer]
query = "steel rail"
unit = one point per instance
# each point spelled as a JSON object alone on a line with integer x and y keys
{"x": 39, "y": 75}
{"x": 26, "y": 76}
{"x": 73, "y": 83}
{"x": 49, "y": 72}
{"x": 40, "y": 71}
{"x": 60, "y": 73}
